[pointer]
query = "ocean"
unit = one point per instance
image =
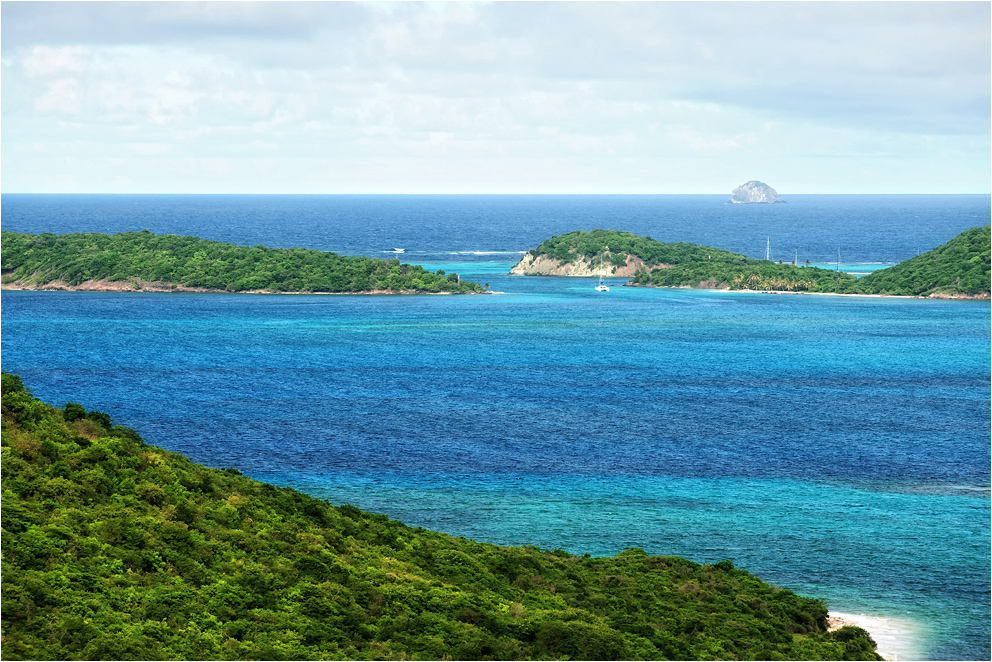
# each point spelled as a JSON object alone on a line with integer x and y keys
{"x": 835, "y": 446}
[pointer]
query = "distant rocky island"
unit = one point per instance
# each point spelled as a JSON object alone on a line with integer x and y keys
{"x": 754, "y": 192}
{"x": 958, "y": 269}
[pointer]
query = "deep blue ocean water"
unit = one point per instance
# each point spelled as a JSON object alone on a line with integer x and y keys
{"x": 836, "y": 446}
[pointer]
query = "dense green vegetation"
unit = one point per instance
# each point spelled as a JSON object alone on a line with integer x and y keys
{"x": 114, "y": 549}
{"x": 761, "y": 275}
{"x": 961, "y": 266}
{"x": 689, "y": 265}
{"x": 201, "y": 263}
{"x": 958, "y": 268}
{"x": 568, "y": 247}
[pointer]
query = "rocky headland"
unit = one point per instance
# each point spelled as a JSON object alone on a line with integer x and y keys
{"x": 610, "y": 253}
{"x": 546, "y": 265}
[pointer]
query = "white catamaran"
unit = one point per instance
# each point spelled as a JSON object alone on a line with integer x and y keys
{"x": 602, "y": 287}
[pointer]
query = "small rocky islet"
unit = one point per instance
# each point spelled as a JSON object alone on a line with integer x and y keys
{"x": 755, "y": 192}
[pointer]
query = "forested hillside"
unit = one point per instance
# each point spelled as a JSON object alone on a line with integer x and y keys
{"x": 959, "y": 267}
{"x": 689, "y": 265}
{"x": 142, "y": 259}
{"x": 114, "y": 549}
{"x": 618, "y": 245}
{"x": 759, "y": 275}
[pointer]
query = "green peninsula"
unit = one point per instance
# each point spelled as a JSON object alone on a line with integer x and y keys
{"x": 115, "y": 549}
{"x": 957, "y": 269}
{"x": 142, "y": 261}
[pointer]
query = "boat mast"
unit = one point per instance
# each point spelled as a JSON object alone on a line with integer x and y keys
{"x": 768, "y": 248}
{"x": 602, "y": 287}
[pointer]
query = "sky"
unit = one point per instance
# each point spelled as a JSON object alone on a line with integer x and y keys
{"x": 495, "y": 97}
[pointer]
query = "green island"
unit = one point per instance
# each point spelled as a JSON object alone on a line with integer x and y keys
{"x": 142, "y": 261}
{"x": 115, "y": 549}
{"x": 957, "y": 269}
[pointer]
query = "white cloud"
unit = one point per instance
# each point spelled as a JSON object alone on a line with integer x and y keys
{"x": 506, "y": 96}
{"x": 150, "y": 149}
{"x": 47, "y": 61}
{"x": 700, "y": 142}
{"x": 62, "y": 96}
{"x": 172, "y": 99}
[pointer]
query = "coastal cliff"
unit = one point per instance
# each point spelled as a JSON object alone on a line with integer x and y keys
{"x": 611, "y": 253}
{"x": 545, "y": 265}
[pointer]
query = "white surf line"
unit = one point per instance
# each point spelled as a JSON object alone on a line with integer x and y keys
{"x": 897, "y": 638}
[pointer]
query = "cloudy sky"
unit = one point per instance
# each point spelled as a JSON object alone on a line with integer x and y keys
{"x": 502, "y": 97}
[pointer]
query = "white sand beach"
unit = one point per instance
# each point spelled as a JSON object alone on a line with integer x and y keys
{"x": 896, "y": 637}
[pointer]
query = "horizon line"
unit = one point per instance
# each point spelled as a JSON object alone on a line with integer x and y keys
{"x": 987, "y": 193}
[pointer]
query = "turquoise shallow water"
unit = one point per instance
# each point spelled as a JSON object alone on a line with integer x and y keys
{"x": 817, "y": 539}
{"x": 836, "y": 446}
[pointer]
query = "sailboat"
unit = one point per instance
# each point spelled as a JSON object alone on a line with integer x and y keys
{"x": 602, "y": 287}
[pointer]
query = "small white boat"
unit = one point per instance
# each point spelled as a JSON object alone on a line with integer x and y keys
{"x": 602, "y": 287}
{"x": 398, "y": 250}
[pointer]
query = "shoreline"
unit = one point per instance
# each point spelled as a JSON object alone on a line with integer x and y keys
{"x": 946, "y": 297}
{"x": 159, "y": 288}
{"x": 895, "y": 638}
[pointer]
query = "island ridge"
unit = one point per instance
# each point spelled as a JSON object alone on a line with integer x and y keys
{"x": 142, "y": 261}
{"x": 957, "y": 269}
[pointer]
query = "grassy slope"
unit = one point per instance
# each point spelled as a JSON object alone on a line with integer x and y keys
{"x": 113, "y": 549}
{"x": 201, "y": 263}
